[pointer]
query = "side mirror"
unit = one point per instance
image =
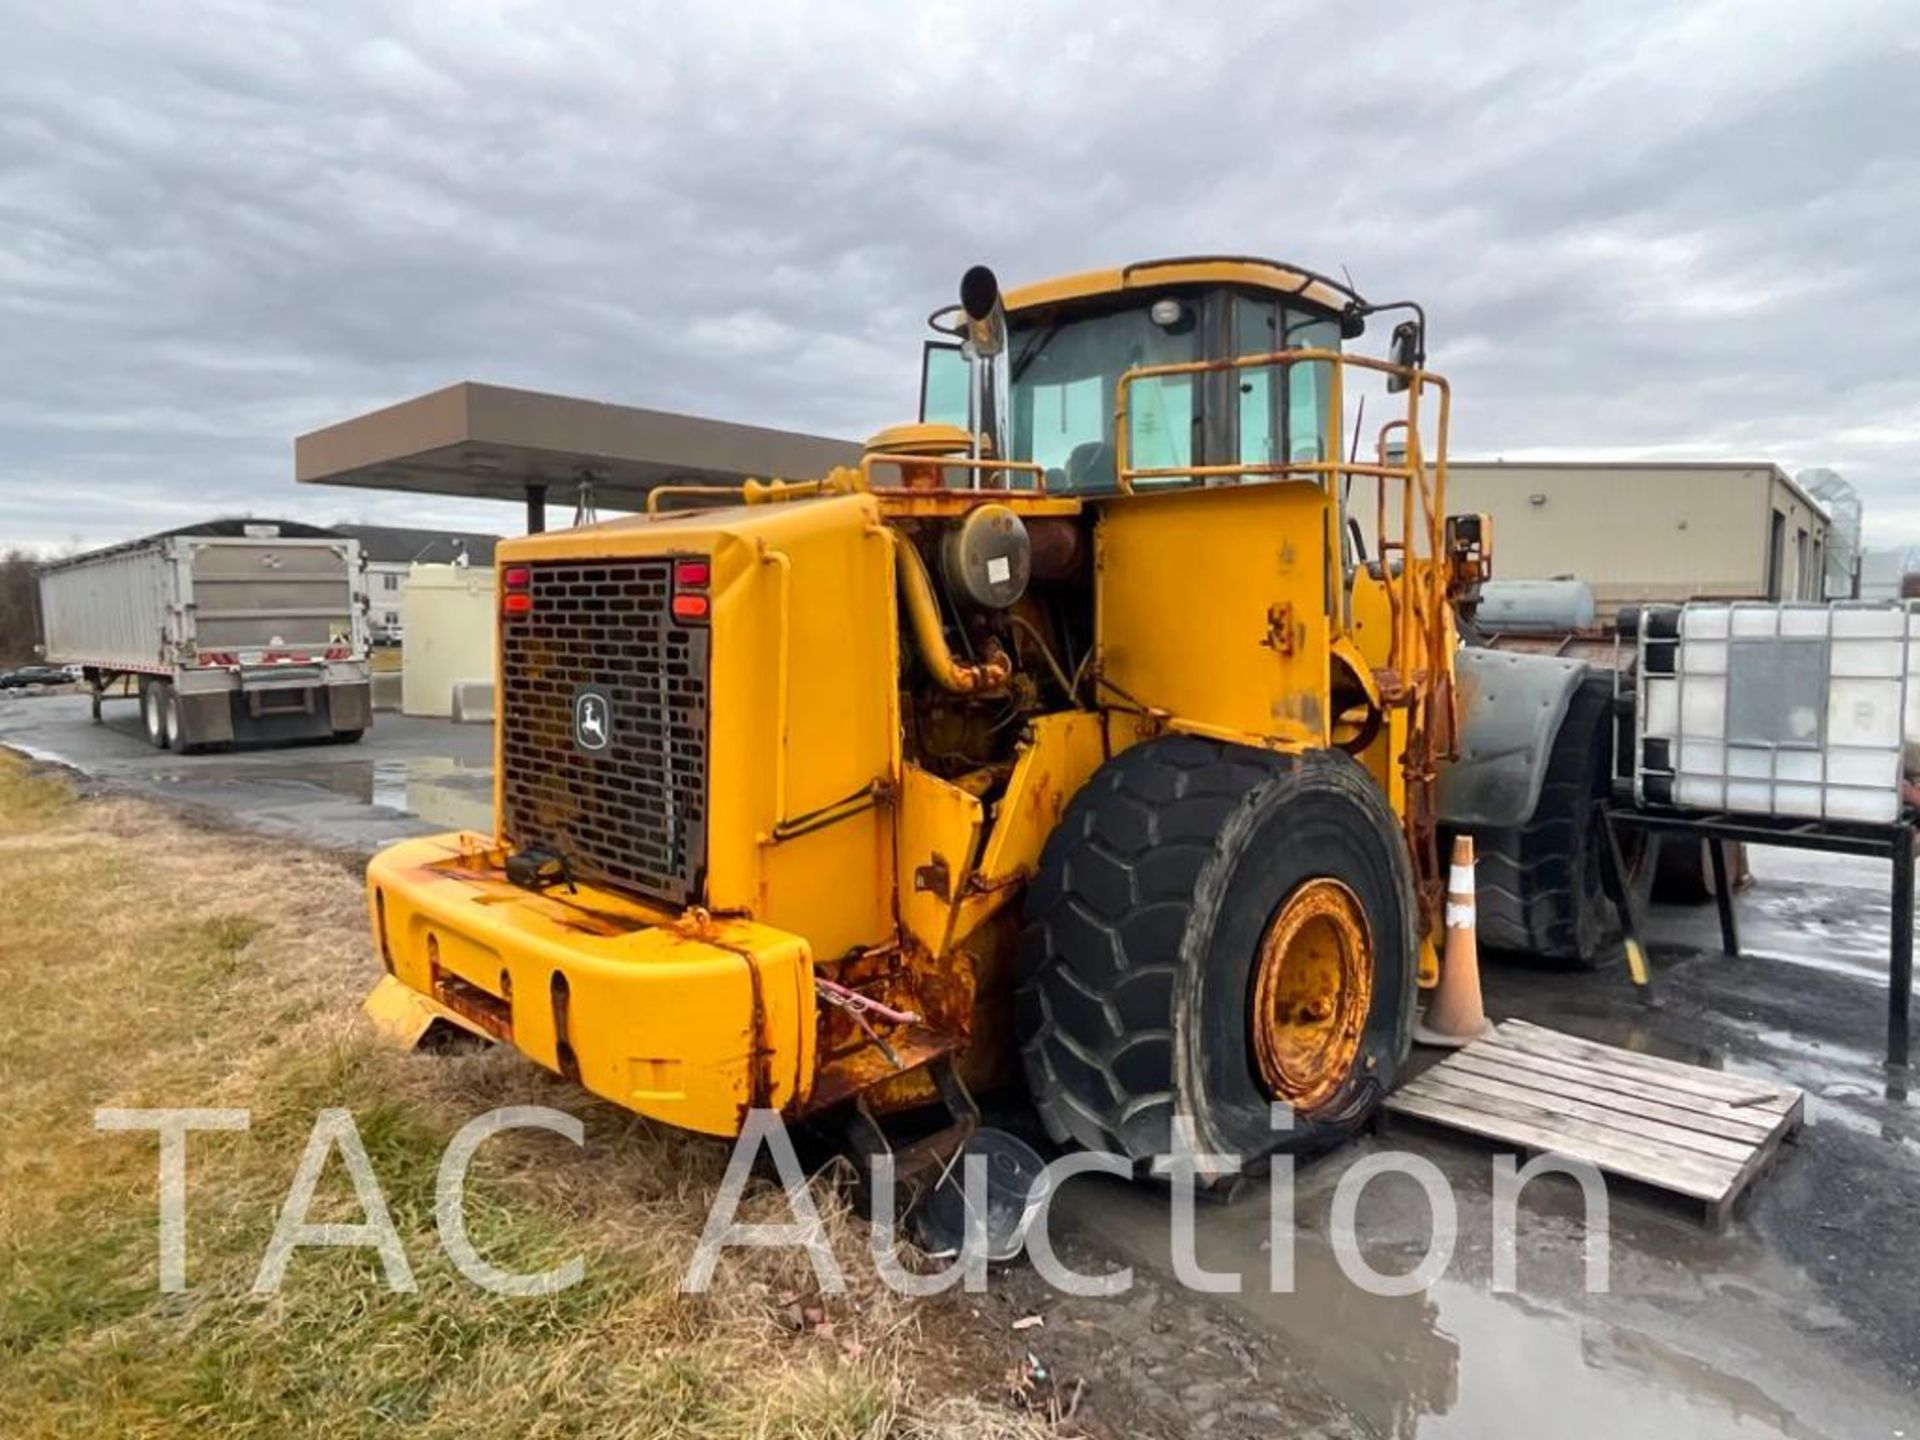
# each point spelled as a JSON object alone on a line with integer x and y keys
{"x": 1407, "y": 350}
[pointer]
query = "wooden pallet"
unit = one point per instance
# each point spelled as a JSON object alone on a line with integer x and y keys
{"x": 1698, "y": 1133}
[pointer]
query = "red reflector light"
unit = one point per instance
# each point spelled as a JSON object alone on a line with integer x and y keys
{"x": 518, "y": 603}
{"x": 690, "y": 607}
{"x": 692, "y": 574}
{"x": 517, "y": 577}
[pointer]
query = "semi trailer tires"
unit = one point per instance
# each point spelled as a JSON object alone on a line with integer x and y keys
{"x": 1540, "y": 886}
{"x": 170, "y": 709}
{"x": 1214, "y": 928}
{"x": 156, "y": 698}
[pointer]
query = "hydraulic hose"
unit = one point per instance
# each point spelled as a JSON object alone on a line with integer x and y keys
{"x": 986, "y": 677}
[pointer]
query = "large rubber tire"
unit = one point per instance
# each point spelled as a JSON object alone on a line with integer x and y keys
{"x": 170, "y": 710}
{"x": 1540, "y": 887}
{"x": 1143, "y": 924}
{"x": 153, "y": 712}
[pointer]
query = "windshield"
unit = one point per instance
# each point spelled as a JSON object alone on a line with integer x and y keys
{"x": 1063, "y": 377}
{"x": 1064, "y": 372}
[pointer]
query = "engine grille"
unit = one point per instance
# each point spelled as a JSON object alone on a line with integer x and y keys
{"x": 633, "y": 815}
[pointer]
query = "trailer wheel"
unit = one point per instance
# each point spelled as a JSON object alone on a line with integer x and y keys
{"x": 1539, "y": 885}
{"x": 177, "y": 732}
{"x": 170, "y": 713}
{"x": 1214, "y": 928}
{"x": 153, "y": 711}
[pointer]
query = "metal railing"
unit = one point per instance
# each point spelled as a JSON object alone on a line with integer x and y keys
{"x": 1414, "y": 570}
{"x": 1416, "y": 595}
{"x": 983, "y": 471}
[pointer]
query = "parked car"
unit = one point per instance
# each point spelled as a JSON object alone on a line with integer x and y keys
{"x": 18, "y": 677}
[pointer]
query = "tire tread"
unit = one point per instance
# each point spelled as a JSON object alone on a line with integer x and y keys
{"x": 1531, "y": 890}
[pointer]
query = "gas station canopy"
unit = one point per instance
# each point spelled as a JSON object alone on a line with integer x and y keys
{"x": 488, "y": 442}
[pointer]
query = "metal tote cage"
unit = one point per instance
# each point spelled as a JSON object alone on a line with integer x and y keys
{"x": 1795, "y": 710}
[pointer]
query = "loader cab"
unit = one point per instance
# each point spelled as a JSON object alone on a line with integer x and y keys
{"x": 1066, "y": 354}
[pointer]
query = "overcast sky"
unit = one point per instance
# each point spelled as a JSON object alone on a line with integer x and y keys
{"x": 1652, "y": 231}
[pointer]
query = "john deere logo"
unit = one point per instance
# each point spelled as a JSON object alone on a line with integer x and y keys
{"x": 592, "y": 719}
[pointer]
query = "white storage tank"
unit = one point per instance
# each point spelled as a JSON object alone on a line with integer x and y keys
{"x": 447, "y": 612}
{"x": 1809, "y": 711}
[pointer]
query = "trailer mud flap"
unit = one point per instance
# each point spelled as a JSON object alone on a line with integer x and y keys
{"x": 350, "y": 706}
{"x": 206, "y": 716}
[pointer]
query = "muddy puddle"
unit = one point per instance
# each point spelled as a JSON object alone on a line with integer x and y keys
{"x": 437, "y": 789}
{"x": 1682, "y": 1345}
{"x": 1799, "y": 1320}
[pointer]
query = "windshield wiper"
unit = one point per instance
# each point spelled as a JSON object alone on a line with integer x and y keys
{"x": 1031, "y": 350}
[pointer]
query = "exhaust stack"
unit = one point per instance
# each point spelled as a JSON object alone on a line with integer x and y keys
{"x": 985, "y": 340}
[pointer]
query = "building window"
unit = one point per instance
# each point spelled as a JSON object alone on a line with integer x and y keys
{"x": 389, "y": 581}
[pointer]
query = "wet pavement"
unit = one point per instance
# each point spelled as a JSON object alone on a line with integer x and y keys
{"x": 407, "y": 776}
{"x": 1801, "y": 1319}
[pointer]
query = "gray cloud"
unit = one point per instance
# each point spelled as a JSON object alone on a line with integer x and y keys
{"x": 1646, "y": 230}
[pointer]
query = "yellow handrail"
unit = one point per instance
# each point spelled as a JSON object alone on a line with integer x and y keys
{"x": 1409, "y": 613}
{"x": 950, "y": 462}
{"x": 1417, "y": 633}
{"x": 745, "y": 492}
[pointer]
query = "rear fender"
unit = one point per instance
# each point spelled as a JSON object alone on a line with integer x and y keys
{"x": 1511, "y": 708}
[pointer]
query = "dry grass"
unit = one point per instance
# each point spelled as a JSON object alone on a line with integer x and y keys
{"x": 148, "y": 964}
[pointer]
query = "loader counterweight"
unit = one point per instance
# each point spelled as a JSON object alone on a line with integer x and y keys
{"x": 689, "y": 1022}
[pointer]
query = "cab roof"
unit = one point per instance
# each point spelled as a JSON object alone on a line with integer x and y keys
{"x": 1248, "y": 270}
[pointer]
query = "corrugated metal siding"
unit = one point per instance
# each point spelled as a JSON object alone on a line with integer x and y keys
{"x": 127, "y": 608}
{"x": 113, "y": 611}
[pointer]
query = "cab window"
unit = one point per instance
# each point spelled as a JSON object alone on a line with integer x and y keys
{"x": 944, "y": 382}
{"x": 1289, "y": 402}
{"x": 1064, "y": 377}
{"x": 1064, "y": 372}
{"x": 1309, "y": 390}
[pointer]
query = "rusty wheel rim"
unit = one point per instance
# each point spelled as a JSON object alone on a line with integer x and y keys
{"x": 1312, "y": 989}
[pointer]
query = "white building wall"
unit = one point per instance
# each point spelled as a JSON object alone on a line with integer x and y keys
{"x": 386, "y": 583}
{"x": 1640, "y": 531}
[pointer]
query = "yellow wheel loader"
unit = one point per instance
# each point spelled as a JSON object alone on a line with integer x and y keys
{"x": 1098, "y": 725}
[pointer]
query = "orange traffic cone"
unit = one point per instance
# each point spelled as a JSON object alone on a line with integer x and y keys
{"x": 1456, "y": 1015}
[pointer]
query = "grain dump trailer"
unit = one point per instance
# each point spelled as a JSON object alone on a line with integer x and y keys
{"x": 235, "y": 630}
